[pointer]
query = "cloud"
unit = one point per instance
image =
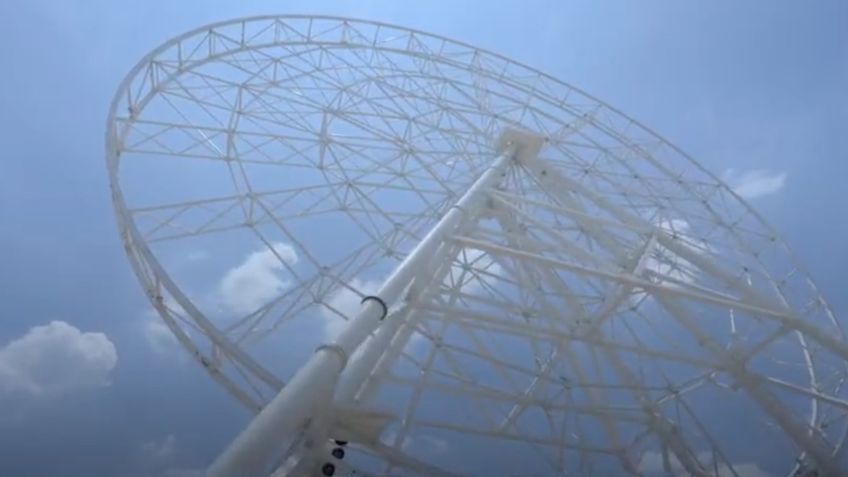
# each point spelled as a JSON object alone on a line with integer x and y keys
{"x": 56, "y": 359}
{"x": 160, "y": 458}
{"x": 197, "y": 256}
{"x": 244, "y": 288}
{"x": 257, "y": 279}
{"x": 651, "y": 465}
{"x": 754, "y": 183}
{"x": 423, "y": 444}
{"x": 157, "y": 334}
{"x": 159, "y": 450}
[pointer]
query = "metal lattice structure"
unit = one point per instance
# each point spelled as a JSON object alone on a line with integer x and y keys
{"x": 501, "y": 274}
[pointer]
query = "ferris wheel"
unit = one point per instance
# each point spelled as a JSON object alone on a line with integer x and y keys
{"x": 410, "y": 256}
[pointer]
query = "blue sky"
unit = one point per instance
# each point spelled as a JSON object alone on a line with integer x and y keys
{"x": 755, "y": 92}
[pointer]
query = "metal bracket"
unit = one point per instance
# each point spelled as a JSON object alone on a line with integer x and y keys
{"x": 380, "y": 301}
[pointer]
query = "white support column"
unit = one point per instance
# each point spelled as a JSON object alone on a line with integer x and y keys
{"x": 308, "y": 396}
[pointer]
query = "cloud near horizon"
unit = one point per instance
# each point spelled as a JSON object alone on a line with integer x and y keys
{"x": 755, "y": 183}
{"x": 56, "y": 359}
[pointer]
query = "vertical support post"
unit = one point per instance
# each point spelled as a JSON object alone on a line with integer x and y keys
{"x": 308, "y": 396}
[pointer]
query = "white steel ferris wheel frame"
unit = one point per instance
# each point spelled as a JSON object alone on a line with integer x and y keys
{"x": 658, "y": 260}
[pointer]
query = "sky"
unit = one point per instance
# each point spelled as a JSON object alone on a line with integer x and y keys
{"x": 90, "y": 384}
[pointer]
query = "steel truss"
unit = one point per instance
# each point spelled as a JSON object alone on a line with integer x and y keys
{"x": 557, "y": 284}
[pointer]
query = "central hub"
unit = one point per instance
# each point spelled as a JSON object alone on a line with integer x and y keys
{"x": 527, "y": 144}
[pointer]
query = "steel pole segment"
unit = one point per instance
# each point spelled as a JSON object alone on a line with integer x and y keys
{"x": 262, "y": 446}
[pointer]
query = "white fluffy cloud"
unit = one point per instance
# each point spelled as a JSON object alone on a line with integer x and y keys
{"x": 651, "y": 465}
{"x": 755, "y": 183}
{"x": 56, "y": 359}
{"x": 257, "y": 279}
{"x": 156, "y": 333}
